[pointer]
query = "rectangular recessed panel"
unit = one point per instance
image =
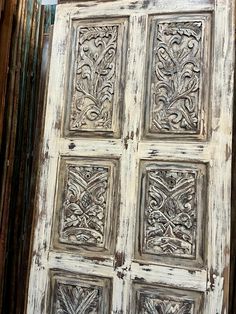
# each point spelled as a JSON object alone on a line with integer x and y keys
{"x": 74, "y": 294}
{"x": 96, "y": 79}
{"x": 86, "y": 204}
{"x": 178, "y": 76}
{"x": 156, "y": 299}
{"x": 172, "y": 207}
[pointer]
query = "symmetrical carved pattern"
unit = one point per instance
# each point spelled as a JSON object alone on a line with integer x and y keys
{"x": 164, "y": 305}
{"x": 75, "y": 299}
{"x": 170, "y": 213}
{"x": 176, "y": 73}
{"x": 95, "y": 78}
{"x": 85, "y": 205}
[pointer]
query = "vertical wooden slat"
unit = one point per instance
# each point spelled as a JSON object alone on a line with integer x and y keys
{"x": 45, "y": 64}
{"x": 21, "y": 161}
{"x": 6, "y": 110}
{"x": 232, "y": 301}
{"x": 2, "y": 5}
{"x": 22, "y": 91}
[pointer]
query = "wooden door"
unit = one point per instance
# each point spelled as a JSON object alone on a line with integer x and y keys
{"x": 134, "y": 194}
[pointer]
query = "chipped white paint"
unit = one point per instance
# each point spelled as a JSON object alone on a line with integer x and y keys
{"x": 210, "y": 279}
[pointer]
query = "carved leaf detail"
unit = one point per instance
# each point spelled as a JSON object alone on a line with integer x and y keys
{"x": 85, "y": 205}
{"x": 176, "y": 72}
{"x": 154, "y": 305}
{"x": 73, "y": 299}
{"x": 94, "y": 82}
{"x": 170, "y": 216}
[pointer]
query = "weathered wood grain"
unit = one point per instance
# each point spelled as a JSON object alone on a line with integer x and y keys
{"x": 8, "y": 114}
{"x": 232, "y": 298}
{"x": 187, "y": 203}
{"x": 19, "y": 134}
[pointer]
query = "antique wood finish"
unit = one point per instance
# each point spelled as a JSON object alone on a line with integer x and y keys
{"x": 7, "y": 127}
{"x": 232, "y": 298}
{"x": 134, "y": 192}
{"x": 21, "y": 135}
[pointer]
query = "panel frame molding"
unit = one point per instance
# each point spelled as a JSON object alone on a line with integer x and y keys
{"x": 81, "y": 281}
{"x": 198, "y": 260}
{"x": 204, "y": 110}
{"x": 118, "y": 99}
{"x": 112, "y": 206}
{"x": 165, "y": 294}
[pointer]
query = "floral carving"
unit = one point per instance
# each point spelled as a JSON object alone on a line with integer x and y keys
{"x": 176, "y": 73}
{"x": 85, "y": 205}
{"x": 95, "y": 78}
{"x": 160, "y": 305}
{"x": 170, "y": 212}
{"x": 75, "y": 299}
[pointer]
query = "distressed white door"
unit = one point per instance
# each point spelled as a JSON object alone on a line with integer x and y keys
{"x": 134, "y": 194}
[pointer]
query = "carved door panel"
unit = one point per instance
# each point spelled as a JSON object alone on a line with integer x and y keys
{"x": 134, "y": 194}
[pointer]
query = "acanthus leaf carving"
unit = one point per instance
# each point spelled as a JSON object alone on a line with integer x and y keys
{"x": 85, "y": 205}
{"x": 76, "y": 299}
{"x": 95, "y": 78}
{"x": 176, "y": 74}
{"x": 170, "y": 213}
{"x": 164, "y": 305}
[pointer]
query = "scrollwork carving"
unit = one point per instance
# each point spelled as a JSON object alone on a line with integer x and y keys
{"x": 170, "y": 214}
{"x": 85, "y": 205}
{"x": 95, "y": 78}
{"x": 176, "y": 74}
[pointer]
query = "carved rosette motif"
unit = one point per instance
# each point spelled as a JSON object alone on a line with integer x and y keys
{"x": 75, "y": 299}
{"x": 175, "y": 78}
{"x": 95, "y": 79}
{"x": 164, "y": 305}
{"x": 170, "y": 213}
{"x": 85, "y": 205}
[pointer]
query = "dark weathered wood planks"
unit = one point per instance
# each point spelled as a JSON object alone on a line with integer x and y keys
{"x": 24, "y": 99}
